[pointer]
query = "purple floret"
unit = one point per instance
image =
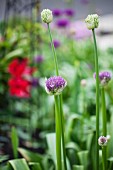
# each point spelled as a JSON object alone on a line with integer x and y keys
{"x": 35, "y": 82}
{"x": 56, "y": 43}
{"x": 62, "y": 23}
{"x": 39, "y": 59}
{"x": 55, "y": 85}
{"x": 57, "y": 12}
{"x": 104, "y": 77}
{"x": 69, "y": 12}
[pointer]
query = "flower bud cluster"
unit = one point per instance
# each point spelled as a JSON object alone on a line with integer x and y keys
{"x": 92, "y": 21}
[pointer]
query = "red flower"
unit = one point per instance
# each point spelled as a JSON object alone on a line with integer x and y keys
{"x": 17, "y": 67}
{"x": 20, "y": 81}
{"x": 19, "y": 87}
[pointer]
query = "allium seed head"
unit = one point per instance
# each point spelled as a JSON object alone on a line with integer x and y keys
{"x": 47, "y": 16}
{"x": 55, "y": 85}
{"x": 92, "y": 21}
{"x": 102, "y": 141}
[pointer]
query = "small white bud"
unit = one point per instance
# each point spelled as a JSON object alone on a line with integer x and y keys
{"x": 47, "y": 16}
{"x": 92, "y": 21}
{"x": 102, "y": 141}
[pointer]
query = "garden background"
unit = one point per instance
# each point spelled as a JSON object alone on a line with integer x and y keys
{"x": 27, "y": 116}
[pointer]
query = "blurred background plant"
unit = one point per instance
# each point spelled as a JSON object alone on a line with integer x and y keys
{"x": 27, "y": 124}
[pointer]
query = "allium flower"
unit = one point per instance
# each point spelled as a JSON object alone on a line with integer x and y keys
{"x": 102, "y": 141}
{"x": 92, "y": 21}
{"x": 56, "y": 43}
{"x": 34, "y": 82}
{"x": 55, "y": 85}
{"x": 62, "y": 23}
{"x": 57, "y": 12}
{"x": 47, "y": 16}
{"x": 39, "y": 59}
{"x": 69, "y": 12}
{"x": 104, "y": 77}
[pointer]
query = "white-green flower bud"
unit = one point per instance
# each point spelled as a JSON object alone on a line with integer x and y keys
{"x": 92, "y": 21}
{"x": 47, "y": 16}
{"x": 102, "y": 141}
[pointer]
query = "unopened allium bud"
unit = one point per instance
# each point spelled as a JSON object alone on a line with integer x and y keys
{"x": 47, "y": 16}
{"x": 108, "y": 137}
{"x": 104, "y": 77}
{"x": 92, "y": 21}
{"x": 102, "y": 141}
{"x": 83, "y": 82}
{"x": 55, "y": 85}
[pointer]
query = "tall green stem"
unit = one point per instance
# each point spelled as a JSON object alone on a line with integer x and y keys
{"x": 61, "y": 122}
{"x": 104, "y": 157}
{"x": 53, "y": 50}
{"x": 97, "y": 100}
{"x": 62, "y": 133}
{"x": 58, "y": 134}
{"x": 104, "y": 121}
{"x": 104, "y": 127}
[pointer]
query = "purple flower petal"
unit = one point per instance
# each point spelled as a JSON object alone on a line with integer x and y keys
{"x": 62, "y": 23}
{"x": 35, "y": 82}
{"x": 56, "y": 43}
{"x": 104, "y": 77}
{"x": 55, "y": 85}
{"x": 39, "y": 59}
{"x": 69, "y": 12}
{"x": 57, "y": 12}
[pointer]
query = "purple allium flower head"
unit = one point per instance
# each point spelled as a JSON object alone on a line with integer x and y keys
{"x": 57, "y": 12}
{"x": 39, "y": 59}
{"x": 62, "y": 23}
{"x": 102, "y": 141}
{"x": 69, "y": 12}
{"x": 55, "y": 85}
{"x": 104, "y": 77}
{"x": 56, "y": 43}
{"x": 35, "y": 82}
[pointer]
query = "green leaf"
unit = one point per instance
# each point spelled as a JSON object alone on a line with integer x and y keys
{"x": 70, "y": 124}
{"x": 15, "y": 120}
{"x": 78, "y": 167}
{"x": 83, "y": 157}
{"x": 19, "y": 164}
{"x": 15, "y": 53}
{"x": 30, "y": 156}
{"x": 51, "y": 142}
{"x": 89, "y": 141}
{"x": 3, "y": 158}
{"x": 15, "y": 141}
{"x": 35, "y": 166}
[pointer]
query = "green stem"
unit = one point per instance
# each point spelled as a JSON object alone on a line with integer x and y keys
{"x": 104, "y": 122}
{"x": 61, "y": 122}
{"x": 58, "y": 134}
{"x": 103, "y": 112}
{"x": 97, "y": 100}
{"x": 104, "y": 157}
{"x": 62, "y": 132}
{"x": 53, "y": 50}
